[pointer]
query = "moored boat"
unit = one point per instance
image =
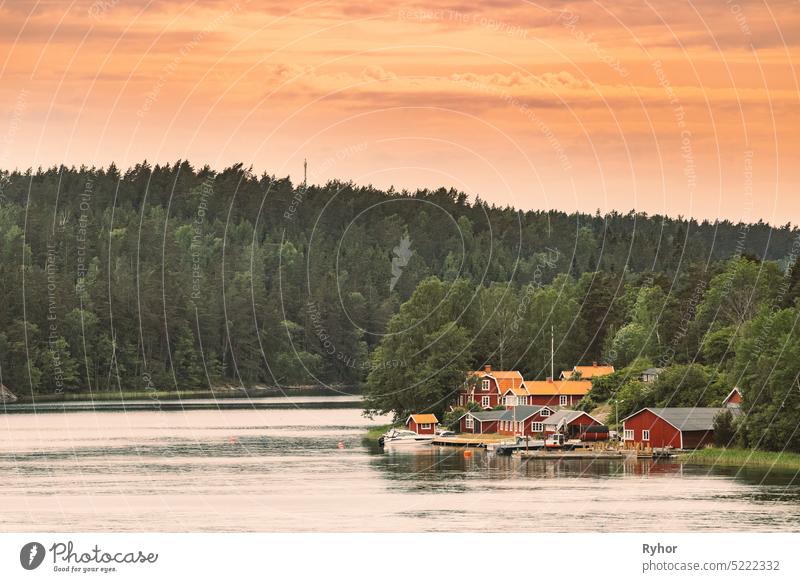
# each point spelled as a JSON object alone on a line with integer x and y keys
{"x": 395, "y": 437}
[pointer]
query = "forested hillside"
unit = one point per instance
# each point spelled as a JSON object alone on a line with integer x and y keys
{"x": 177, "y": 277}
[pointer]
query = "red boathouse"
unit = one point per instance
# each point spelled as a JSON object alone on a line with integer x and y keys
{"x": 680, "y": 428}
{"x": 422, "y": 423}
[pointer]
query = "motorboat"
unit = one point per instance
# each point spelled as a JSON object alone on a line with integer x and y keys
{"x": 399, "y": 437}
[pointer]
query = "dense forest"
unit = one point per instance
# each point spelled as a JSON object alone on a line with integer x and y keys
{"x": 177, "y": 278}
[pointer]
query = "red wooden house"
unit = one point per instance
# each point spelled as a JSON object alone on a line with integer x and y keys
{"x": 680, "y": 428}
{"x": 480, "y": 422}
{"x": 486, "y": 387}
{"x": 524, "y": 420}
{"x": 733, "y": 399}
{"x": 422, "y": 423}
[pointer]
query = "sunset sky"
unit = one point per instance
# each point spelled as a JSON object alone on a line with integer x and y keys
{"x": 684, "y": 108}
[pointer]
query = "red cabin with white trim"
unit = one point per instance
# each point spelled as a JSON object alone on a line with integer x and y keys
{"x": 422, "y": 423}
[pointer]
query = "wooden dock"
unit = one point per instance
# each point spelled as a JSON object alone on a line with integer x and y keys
{"x": 478, "y": 441}
{"x": 561, "y": 455}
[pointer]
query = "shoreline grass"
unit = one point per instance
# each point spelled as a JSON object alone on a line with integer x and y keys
{"x": 742, "y": 458}
{"x": 375, "y": 432}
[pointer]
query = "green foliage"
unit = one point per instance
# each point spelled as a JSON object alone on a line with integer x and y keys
{"x": 724, "y": 430}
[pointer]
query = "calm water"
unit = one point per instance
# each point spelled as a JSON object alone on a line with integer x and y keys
{"x": 283, "y": 470}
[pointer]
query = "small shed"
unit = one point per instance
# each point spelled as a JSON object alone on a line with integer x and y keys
{"x": 422, "y": 423}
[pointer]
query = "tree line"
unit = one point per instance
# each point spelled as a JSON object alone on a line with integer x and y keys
{"x": 176, "y": 277}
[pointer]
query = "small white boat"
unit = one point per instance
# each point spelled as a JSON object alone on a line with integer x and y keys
{"x": 396, "y": 437}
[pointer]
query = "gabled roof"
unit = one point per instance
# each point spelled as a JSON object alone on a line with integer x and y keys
{"x": 487, "y": 415}
{"x": 687, "y": 419}
{"x": 520, "y": 413}
{"x": 558, "y": 387}
{"x": 505, "y": 379}
{"x": 423, "y": 419}
{"x": 588, "y": 371}
{"x": 730, "y": 395}
{"x": 567, "y": 416}
{"x": 652, "y": 371}
{"x": 521, "y": 391}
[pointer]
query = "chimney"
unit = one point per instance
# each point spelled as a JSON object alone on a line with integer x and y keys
{"x": 549, "y": 379}
{"x": 488, "y": 368}
{"x": 594, "y": 364}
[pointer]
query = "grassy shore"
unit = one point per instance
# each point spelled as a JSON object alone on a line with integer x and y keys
{"x": 375, "y": 432}
{"x": 743, "y": 457}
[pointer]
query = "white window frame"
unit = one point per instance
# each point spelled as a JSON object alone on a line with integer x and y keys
{"x": 545, "y": 412}
{"x": 469, "y": 423}
{"x": 562, "y": 400}
{"x": 426, "y": 426}
{"x": 537, "y": 427}
{"x": 485, "y": 385}
{"x": 485, "y": 401}
{"x": 627, "y": 434}
{"x": 646, "y": 435}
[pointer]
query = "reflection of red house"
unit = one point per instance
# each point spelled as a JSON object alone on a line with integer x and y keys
{"x": 422, "y": 423}
{"x": 487, "y": 387}
{"x": 733, "y": 399}
{"x": 557, "y": 392}
{"x": 680, "y": 428}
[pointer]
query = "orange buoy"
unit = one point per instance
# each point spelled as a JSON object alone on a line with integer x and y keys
{"x": 467, "y": 453}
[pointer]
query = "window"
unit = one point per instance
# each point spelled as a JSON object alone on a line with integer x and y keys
{"x": 469, "y": 422}
{"x": 485, "y": 401}
{"x": 628, "y": 434}
{"x": 426, "y": 426}
{"x": 562, "y": 400}
{"x": 485, "y": 385}
{"x": 537, "y": 427}
{"x": 545, "y": 412}
{"x": 510, "y": 401}
{"x": 645, "y": 435}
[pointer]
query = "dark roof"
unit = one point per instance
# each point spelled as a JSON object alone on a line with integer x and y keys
{"x": 519, "y": 413}
{"x": 653, "y": 371}
{"x": 688, "y": 419}
{"x": 488, "y": 415}
{"x": 563, "y": 415}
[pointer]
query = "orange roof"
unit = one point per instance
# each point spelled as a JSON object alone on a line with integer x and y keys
{"x": 520, "y": 391}
{"x": 505, "y": 379}
{"x": 567, "y": 387}
{"x": 423, "y": 418}
{"x": 588, "y": 371}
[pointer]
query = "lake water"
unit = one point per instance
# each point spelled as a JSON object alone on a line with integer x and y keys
{"x": 284, "y": 470}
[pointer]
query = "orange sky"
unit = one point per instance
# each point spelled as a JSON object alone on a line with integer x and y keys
{"x": 681, "y": 108}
